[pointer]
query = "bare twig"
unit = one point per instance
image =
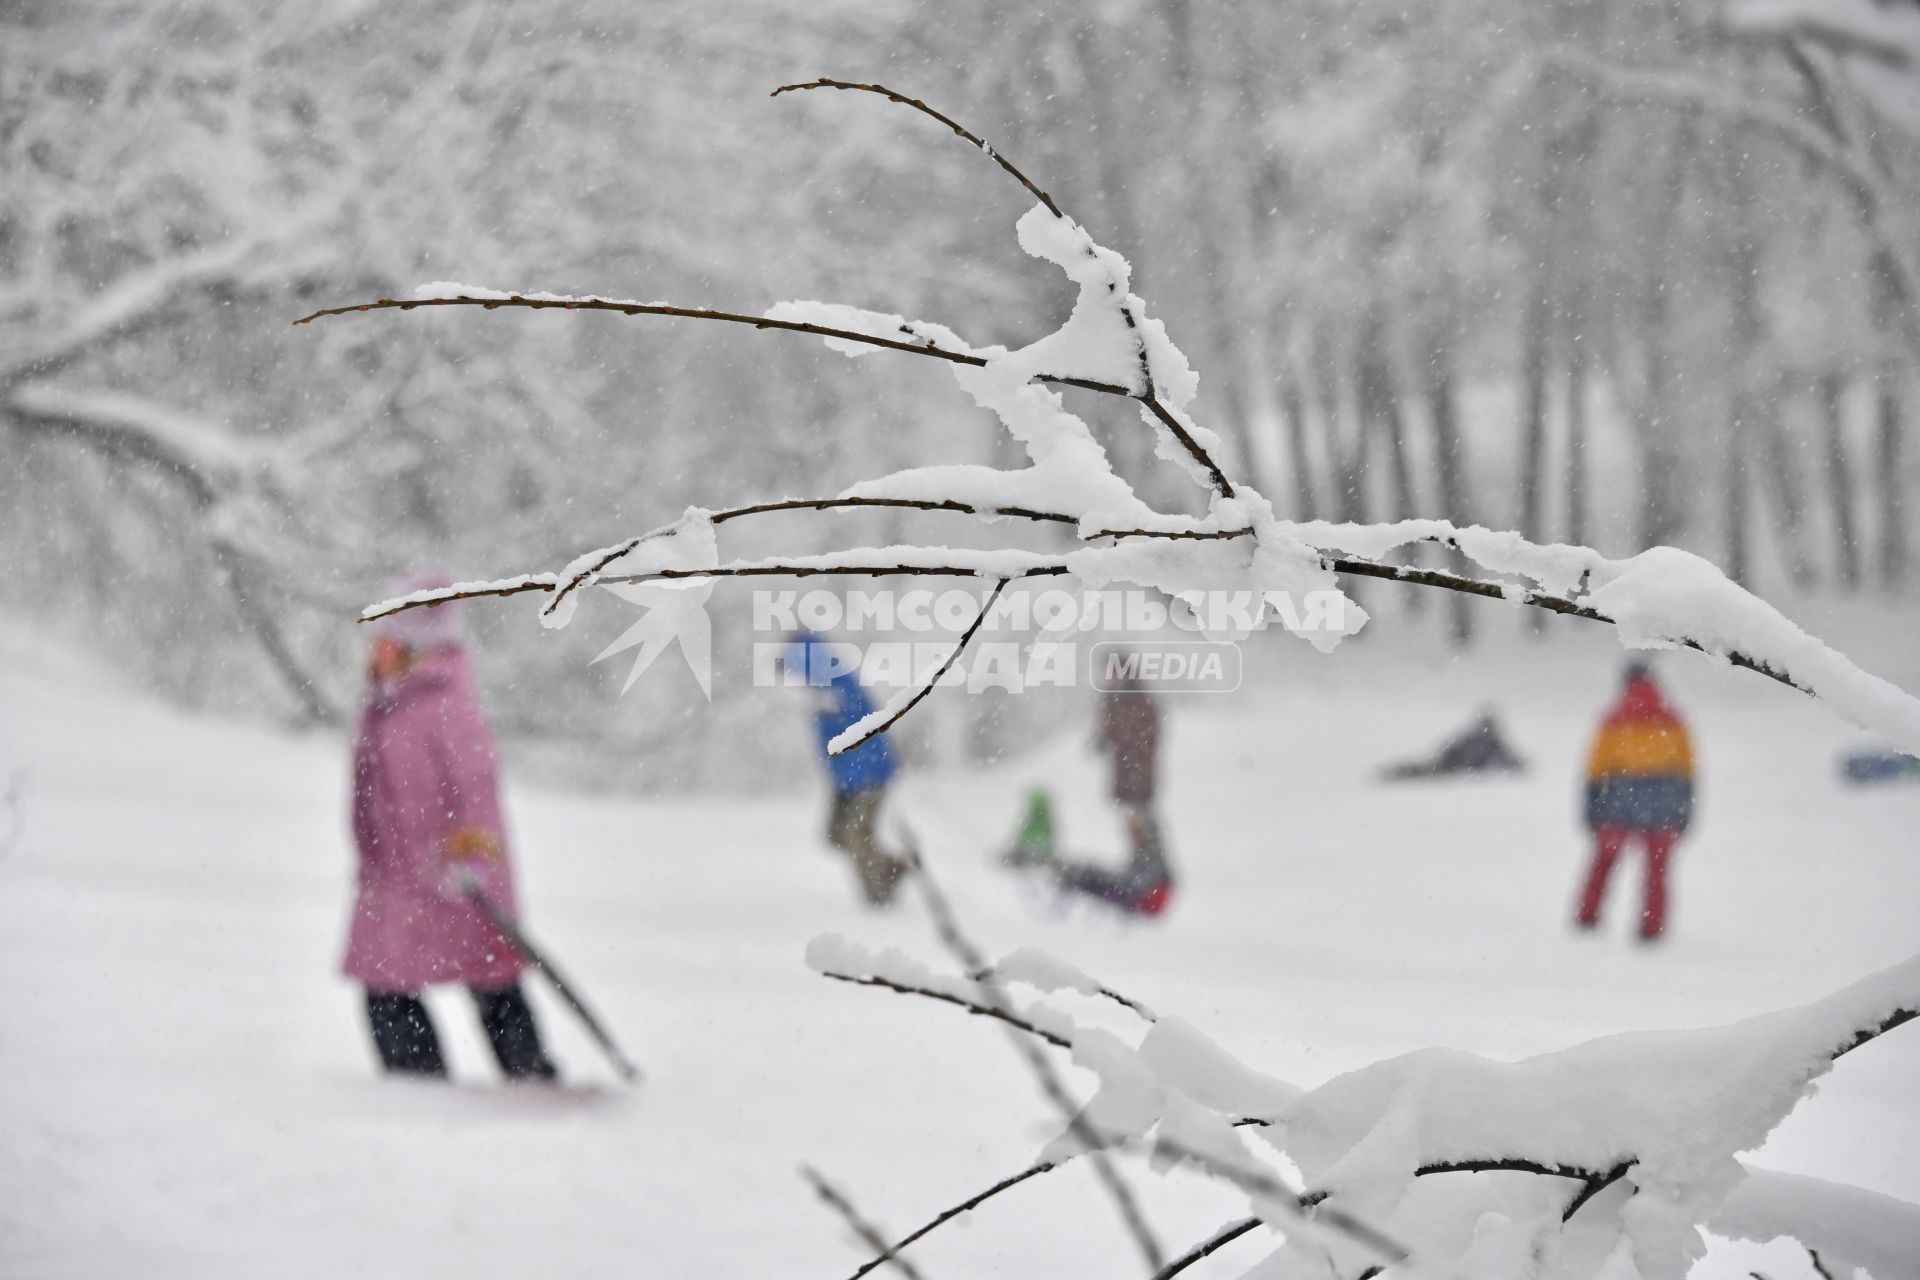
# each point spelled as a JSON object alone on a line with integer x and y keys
{"x": 1593, "y": 1181}
{"x": 918, "y": 504}
{"x": 1148, "y": 392}
{"x": 965, "y": 1206}
{"x": 626, "y": 307}
{"x": 1001, "y": 1013}
{"x": 864, "y": 1229}
{"x": 1218, "y": 1240}
{"x": 975, "y": 1201}
{"x": 1145, "y": 1014}
{"x": 775, "y": 569}
{"x": 924, "y": 109}
{"x": 921, "y": 347}
{"x": 926, "y": 686}
{"x": 1311, "y": 1205}
{"x": 1594, "y": 1187}
{"x": 784, "y": 569}
{"x": 947, "y": 926}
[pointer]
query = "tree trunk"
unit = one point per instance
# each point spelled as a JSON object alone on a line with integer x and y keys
{"x": 1345, "y": 449}
{"x": 1889, "y": 426}
{"x": 1733, "y": 479}
{"x": 1380, "y": 411}
{"x": 1745, "y": 429}
{"x": 1789, "y": 497}
{"x": 1437, "y": 389}
{"x": 1579, "y": 342}
{"x": 1660, "y": 507}
{"x": 1840, "y": 494}
{"x": 1383, "y": 422}
{"x": 1660, "y": 471}
{"x": 1293, "y": 429}
{"x": 1536, "y": 362}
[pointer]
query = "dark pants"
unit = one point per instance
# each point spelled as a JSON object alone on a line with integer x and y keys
{"x": 1609, "y": 842}
{"x": 1146, "y": 883}
{"x": 850, "y": 828}
{"x": 408, "y": 1045}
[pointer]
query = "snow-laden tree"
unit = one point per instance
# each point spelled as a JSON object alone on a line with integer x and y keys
{"x": 1604, "y": 1160}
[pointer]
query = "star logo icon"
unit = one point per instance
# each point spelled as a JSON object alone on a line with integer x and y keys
{"x": 676, "y": 613}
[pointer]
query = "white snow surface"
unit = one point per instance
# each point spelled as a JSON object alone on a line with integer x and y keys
{"x": 190, "y": 1090}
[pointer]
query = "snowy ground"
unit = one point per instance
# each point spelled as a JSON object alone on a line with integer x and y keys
{"x": 188, "y": 1090}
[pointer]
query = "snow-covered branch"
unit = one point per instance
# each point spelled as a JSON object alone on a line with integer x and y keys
{"x": 1084, "y": 1135}
{"x": 1660, "y": 87}
{"x": 1888, "y": 34}
{"x": 1661, "y": 1114}
{"x": 142, "y": 297}
{"x": 213, "y": 468}
{"x": 1662, "y": 598}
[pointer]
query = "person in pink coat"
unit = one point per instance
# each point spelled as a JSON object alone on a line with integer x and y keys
{"x": 427, "y": 825}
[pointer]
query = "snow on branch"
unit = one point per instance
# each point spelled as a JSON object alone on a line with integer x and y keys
{"x": 832, "y": 956}
{"x": 1845, "y": 1227}
{"x": 216, "y": 471}
{"x": 1082, "y": 1136}
{"x": 141, "y": 297}
{"x": 208, "y": 460}
{"x": 1662, "y": 598}
{"x": 1661, "y": 1115}
{"x": 1660, "y": 86}
{"x": 1886, "y": 33}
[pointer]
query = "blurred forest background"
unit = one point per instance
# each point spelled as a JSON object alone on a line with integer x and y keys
{"x": 1621, "y": 274}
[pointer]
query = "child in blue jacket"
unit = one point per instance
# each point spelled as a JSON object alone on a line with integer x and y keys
{"x": 859, "y": 776}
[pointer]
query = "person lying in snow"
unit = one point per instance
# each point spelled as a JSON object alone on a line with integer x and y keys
{"x": 427, "y": 825}
{"x": 859, "y": 777}
{"x": 1639, "y": 784}
{"x": 1869, "y": 766}
{"x": 1480, "y": 749}
{"x": 1142, "y": 887}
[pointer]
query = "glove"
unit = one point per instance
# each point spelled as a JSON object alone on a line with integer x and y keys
{"x": 471, "y": 842}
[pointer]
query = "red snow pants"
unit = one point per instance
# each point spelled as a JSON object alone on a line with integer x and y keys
{"x": 1608, "y": 844}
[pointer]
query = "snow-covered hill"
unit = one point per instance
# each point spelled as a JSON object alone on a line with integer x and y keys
{"x": 188, "y": 1090}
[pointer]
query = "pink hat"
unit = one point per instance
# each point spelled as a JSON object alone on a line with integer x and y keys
{"x": 424, "y": 626}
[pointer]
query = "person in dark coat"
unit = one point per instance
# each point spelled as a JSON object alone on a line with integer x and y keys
{"x": 1481, "y": 749}
{"x": 1639, "y": 786}
{"x": 1129, "y": 732}
{"x": 860, "y": 777}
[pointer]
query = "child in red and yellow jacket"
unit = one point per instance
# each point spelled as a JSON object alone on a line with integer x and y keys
{"x": 1639, "y": 783}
